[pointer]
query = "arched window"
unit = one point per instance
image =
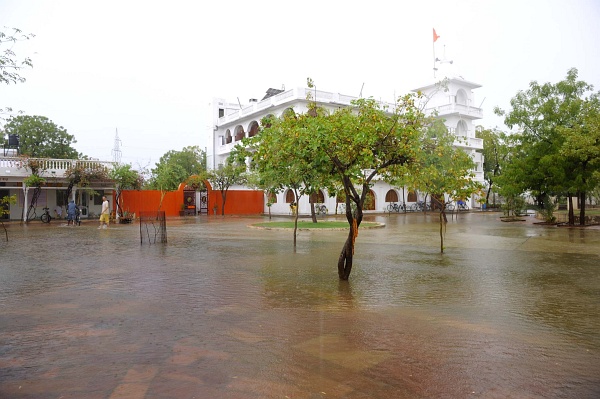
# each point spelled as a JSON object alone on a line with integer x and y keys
{"x": 289, "y": 196}
{"x": 266, "y": 121}
{"x": 272, "y": 198}
{"x": 239, "y": 133}
{"x": 461, "y": 129}
{"x": 317, "y": 198}
{"x": 412, "y": 196}
{"x": 370, "y": 201}
{"x": 391, "y": 196}
{"x": 253, "y": 129}
{"x": 461, "y": 97}
{"x": 288, "y": 113}
{"x": 228, "y": 136}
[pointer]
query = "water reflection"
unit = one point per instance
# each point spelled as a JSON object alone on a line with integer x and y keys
{"x": 509, "y": 310}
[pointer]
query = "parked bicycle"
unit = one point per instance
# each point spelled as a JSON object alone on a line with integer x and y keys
{"x": 320, "y": 209}
{"x": 462, "y": 206}
{"x": 46, "y": 218}
{"x": 394, "y": 207}
{"x": 420, "y": 206}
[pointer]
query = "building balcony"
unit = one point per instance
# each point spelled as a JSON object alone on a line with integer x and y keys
{"x": 15, "y": 168}
{"x": 457, "y": 109}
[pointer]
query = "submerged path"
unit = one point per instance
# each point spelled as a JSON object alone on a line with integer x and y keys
{"x": 225, "y": 311}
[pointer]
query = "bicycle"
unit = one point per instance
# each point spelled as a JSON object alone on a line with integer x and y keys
{"x": 46, "y": 217}
{"x": 420, "y": 206}
{"x": 450, "y": 207}
{"x": 462, "y": 206}
{"x": 394, "y": 207}
{"x": 77, "y": 220}
{"x": 320, "y": 209}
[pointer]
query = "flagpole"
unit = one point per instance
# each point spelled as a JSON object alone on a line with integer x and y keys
{"x": 433, "y": 46}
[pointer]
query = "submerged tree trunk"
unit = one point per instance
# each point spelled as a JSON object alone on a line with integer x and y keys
{"x": 571, "y": 212}
{"x": 443, "y": 221}
{"x": 5, "y": 231}
{"x": 295, "y": 227}
{"x": 354, "y": 220}
{"x": 582, "y": 208}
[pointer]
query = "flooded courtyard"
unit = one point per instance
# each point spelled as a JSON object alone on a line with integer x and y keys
{"x": 510, "y": 310}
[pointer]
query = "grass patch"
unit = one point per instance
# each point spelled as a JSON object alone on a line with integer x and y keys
{"x": 313, "y": 226}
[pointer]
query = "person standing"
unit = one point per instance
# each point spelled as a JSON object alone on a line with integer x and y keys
{"x": 71, "y": 207}
{"x": 104, "y": 214}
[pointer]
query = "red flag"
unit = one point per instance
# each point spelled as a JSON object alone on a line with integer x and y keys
{"x": 435, "y": 35}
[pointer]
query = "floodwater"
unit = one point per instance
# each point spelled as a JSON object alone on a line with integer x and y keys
{"x": 510, "y": 310}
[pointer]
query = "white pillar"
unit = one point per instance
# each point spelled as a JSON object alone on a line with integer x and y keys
{"x": 25, "y": 191}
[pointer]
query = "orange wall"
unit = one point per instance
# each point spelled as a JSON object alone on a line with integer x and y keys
{"x": 149, "y": 200}
{"x": 239, "y": 202}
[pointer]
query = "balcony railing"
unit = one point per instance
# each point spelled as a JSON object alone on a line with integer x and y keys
{"x": 50, "y": 167}
{"x": 448, "y": 109}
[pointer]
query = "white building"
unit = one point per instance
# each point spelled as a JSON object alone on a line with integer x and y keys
{"x": 233, "y": 121}
{"x": 53, "y": 194}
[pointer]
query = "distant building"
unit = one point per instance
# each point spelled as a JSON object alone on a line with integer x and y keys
{"x": 233, "y": 121}
{"x": 53, "y": 193}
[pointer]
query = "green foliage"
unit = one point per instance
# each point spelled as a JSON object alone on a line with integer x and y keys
{"x": 222, "y": 178}
{"x": 556, "y": 150}
{"x": 125, "y": 177}
{"x": 495, "y": 153}
{"x": 83, "y": 175}
{"x": 175, "y": 167}
{"x": 10, "y": 64}
{"x": 39, "y": 137}
{"x": 5, "y": 203}
{"x": 444, "y": 168}
{"x": 352, "y": 145}
{"x": 34, "y": 180}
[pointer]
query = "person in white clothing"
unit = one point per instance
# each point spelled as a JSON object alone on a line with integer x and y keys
{"x": 104, "y": 214}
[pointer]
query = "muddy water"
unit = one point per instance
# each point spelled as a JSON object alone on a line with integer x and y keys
{"x": 225, "y": 311}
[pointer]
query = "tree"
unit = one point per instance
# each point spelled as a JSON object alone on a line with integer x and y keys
{"x": 581, "y": 147}
{"x": 495, "y": 152}
{"x": 10, "y": 64}
{"x": 545, "y": 113}
{"x": 175, "y": 167}
{"x": 4, "y": 209}
{"x": 225, "y": 176}
{"x": 355, "y": 144}
{"x": 125, "y": 178}
{"x": 445, "y": 170}
{"x": 39, "y": 137}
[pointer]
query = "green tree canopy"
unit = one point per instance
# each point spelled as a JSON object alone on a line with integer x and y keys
{"x": 125, "y": 178}
{"x": 355, "y": 144}
{"x": 39, "y": 137}
{"x": 175, "y": 167}
{"x": 495, "y": 153}
{"x": 546, "y": 115}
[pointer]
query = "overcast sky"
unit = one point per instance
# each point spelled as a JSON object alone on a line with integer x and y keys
{"x": 150, "y": 68}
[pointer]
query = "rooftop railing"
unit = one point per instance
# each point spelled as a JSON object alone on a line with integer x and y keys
{"x": 49, "y": 167}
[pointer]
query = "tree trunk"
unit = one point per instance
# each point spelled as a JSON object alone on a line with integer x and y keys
{"x": 345, "y": 259}
{"x": 443, "y": 221}
{"x": 5, "y": 231}
{"x": 224, "y": 196}
{"x": 582, "y": 208}
{"x": 571, "y": 212}
{"x": 312, "y": 212}
{"x": 295, "y": 226}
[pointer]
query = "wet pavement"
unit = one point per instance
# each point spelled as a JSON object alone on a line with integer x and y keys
{"x": 225, "y": 311}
